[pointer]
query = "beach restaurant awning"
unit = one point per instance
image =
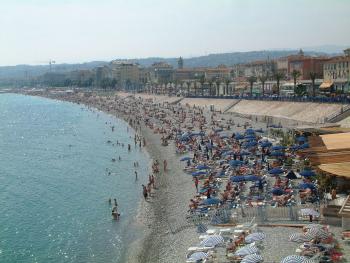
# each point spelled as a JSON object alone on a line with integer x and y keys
{"x": 337, "y": 169}
{"x": 326, "y": 84}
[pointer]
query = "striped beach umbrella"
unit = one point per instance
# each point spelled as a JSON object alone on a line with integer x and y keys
{"x": 212, "y": 241}
{"x": 252, "y": 258}
{"x": 255, "y": 237}
{"x": 201, "y": 228}
{"x": 318, "y": 232}
{"x": 299, "y": 238}
{"x": 294, "y": 259}
{"x": 247, "y": 250}
{"x": 198, "y": 256}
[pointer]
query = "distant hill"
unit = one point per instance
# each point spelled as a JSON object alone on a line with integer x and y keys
{"x": 211, "y": 60}
{"x": 23, "y": 71}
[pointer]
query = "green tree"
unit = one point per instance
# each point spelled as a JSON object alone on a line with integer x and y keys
{"x": 217, "y": 92}
{"x": 295, "y": 74}
{"x": 313, "y": 77}
{"x": 251, "y": 80}
{"x": 278, "y": 76}
{"x": 300, "y": 90}
{"x": 202, "y": 81}
{"x": 227, "y": 82}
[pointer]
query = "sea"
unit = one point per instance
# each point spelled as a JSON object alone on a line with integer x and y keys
{"x": 56, "y": 177}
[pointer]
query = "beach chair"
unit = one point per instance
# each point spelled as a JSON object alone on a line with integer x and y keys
{"x": 199, "y": 248}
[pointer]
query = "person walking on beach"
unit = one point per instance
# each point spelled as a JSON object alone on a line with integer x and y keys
{"x": 135, "y": 175}
{"x": 144, "y": 192}
{"x": 153, "y": 181}
{"x": 196, "y": 181}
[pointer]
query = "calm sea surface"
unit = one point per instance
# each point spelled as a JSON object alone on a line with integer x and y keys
{"x": 54, "y": 185}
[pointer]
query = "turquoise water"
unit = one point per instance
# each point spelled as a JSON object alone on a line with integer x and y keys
{"x": 54, "y": 185}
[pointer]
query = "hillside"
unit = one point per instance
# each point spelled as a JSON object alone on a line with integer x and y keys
{"x": 211, "y": 60}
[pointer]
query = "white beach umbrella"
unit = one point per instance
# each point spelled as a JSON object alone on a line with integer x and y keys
{"x": 252, "y": 258}
{"x": 212, "y": 241}
{"x": 198, "y": 256}
{"x": 247, "y": 250}
{"x": 255, "y": 237}
{"x": 300, "y": 238}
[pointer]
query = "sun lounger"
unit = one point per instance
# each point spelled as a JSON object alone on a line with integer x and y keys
{"x": 200, "y": 248}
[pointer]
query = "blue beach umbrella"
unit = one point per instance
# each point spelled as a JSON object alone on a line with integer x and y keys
{"x": 249, "y": 136}
{"x": 202, "y": 167}
{"x": 185, "y": 159}
{"x": 203, "y": 190}
{"x": 235, "y": 163}
{"x": 277, "y": 191}
{"x": 294, "y": 147}
{"x": 304, "y": 146}
{"x": 307, "y": 186}
{"x": 237, "y": 178}
{"x": 210, "y": 201}
{"x": 276, "y": 170}
{"x": 249, "y": 144}
{"x": 249, "y": 131}
{"x": 301, "y": 139}
{"x": 278, "y": 147}
{"x": 244, "y": 153}
{"x": 239, "y": 137}
{"x": 252, "y": 178}
{"x": 307, "y": 173}
{"x": 199, "y": 173}
{"x": 277, "y": 153}
{"x": 265, "y": 144}
{"x": 228, "y": 153}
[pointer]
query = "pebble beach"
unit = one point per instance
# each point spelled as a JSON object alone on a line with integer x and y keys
{"x": 162, "y": 217}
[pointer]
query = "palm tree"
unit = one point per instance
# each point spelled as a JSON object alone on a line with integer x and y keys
{"x": 251, "y": 80}
{"x": 313, "y": 77}
{"x": 263, "y": 79}
{"x": 210, "y": 87}
{"x": 217, "y": 92}
{"x": 295, "y": 74}
{"x": 278, "y": 76}
{"x": 202, "y": 80}
{"x": 227, "y": 82}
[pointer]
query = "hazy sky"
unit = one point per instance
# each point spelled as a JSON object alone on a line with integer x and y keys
{"x": 34, "y": 31}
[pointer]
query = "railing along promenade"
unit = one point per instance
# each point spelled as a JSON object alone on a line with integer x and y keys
{"x": 341, "y": 100}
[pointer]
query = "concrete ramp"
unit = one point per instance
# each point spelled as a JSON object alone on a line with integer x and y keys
{"x": 219, "y": 104}
{"x": 299, "y": 111}
{"x": 231, "y": 105}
